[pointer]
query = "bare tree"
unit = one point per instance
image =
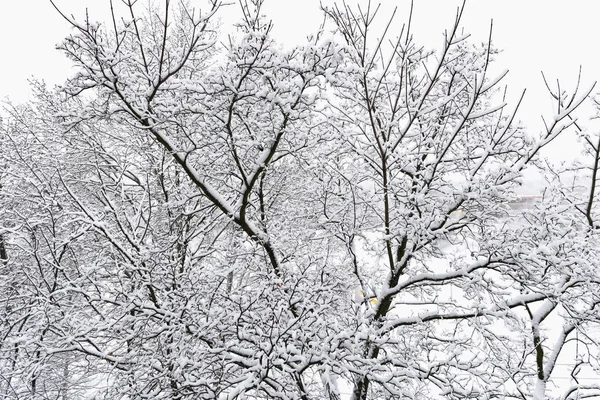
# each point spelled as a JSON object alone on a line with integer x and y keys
{"x": 191, "y": 219}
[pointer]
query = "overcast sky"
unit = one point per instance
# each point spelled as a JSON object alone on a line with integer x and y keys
{"x": 555, "y": 36}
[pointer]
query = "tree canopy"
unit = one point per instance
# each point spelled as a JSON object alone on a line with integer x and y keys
{"x": 191, "y": 219}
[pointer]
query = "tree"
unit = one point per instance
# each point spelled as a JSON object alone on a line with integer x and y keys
{"x": 187, "y": 219}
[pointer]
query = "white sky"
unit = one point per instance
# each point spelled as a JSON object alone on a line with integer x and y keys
{"x": 555, "y": 36}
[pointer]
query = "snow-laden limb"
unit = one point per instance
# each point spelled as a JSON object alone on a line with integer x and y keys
{"x": 581, "y": 391}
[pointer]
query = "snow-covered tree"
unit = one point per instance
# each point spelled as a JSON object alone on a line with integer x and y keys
{"x": 191, "y": 219}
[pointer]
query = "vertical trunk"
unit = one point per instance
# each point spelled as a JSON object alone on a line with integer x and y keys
{"x": 65, "y": 383}
{"x": 540, "y": 390}
{"x": 3, "y": 253}
{"x": 361, "y": 387}
{"x": 229, "y": 281}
